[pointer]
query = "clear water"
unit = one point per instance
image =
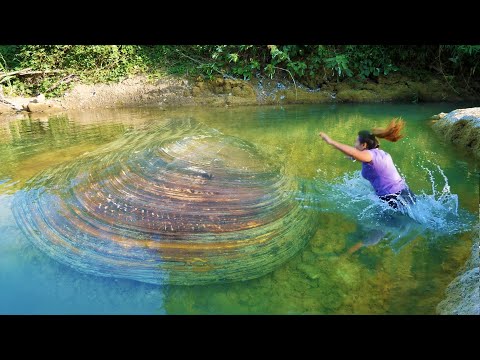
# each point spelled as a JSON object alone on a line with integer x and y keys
{"x": 363, "y": 258}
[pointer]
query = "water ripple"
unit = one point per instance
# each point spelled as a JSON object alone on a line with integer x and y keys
{"x": 179, "y": 203}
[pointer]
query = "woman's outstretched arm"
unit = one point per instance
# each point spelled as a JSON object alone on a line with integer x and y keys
{"x": 363, "y": 156}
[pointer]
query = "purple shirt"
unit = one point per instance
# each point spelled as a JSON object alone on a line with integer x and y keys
{"x": 382, "y": 173}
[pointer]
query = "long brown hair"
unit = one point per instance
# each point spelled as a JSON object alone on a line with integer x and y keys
{"x": 392, "y": 131}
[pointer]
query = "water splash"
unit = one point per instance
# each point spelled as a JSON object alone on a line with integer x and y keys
{"x": 435, "y": 213}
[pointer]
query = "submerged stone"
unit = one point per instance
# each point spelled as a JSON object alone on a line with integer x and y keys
{"x": 463, "y": 293}
{"x": 177, "y": 204}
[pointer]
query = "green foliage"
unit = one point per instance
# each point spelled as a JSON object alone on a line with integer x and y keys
{"x": 461, "y": 57}
{"x": 239, "y": 61}
{"x": 339, "y": 65}
{"x": 93, "y": 63}
{"x": 370, "y": 61}
{"x": 305, "y": 62}
{"x": 87, "y": 63}
{"x": 210, "y": 69}
{"x": 51, "y": 65}
{"x": 7, "y": 56}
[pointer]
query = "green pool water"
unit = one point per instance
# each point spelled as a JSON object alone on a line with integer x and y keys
{"x": 406, "y": 272}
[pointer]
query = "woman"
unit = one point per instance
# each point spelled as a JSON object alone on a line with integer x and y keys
{"x": 377, "y": 165}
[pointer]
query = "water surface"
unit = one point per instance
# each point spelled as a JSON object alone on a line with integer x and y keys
{"x": 403, "y": 268}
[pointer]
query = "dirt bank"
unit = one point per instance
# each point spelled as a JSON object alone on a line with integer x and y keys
{"x": 175, "y": 92}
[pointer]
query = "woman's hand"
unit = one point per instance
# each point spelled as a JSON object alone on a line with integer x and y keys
{"x": 325, "y": 137}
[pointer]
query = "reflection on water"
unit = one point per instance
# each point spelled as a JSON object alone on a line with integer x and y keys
{"x": 403, "y": 266}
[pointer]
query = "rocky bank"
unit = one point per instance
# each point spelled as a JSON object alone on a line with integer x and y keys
{"x": 224, "y": 92}
{"x": 460, "y": 127}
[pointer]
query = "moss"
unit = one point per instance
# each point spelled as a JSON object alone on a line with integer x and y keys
{"x": 344, "y": 85}
{"x": 392, "y": 78}
{"x": 399, "y": 92}
{"x": 462, "y": 133}
{"x": 301, "y": 96}
{"x": 369, "y": 86}
{"x": 235, "y": 92}
{"x": 221, "y": 92}
{"x": 351, "y": 95}
{"x": 221, "y": 86}
{"x": 239, "y": 101}
{"x": 243, "y": 90}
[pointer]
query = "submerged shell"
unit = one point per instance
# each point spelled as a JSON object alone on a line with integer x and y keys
{"x": 180, "y": 204}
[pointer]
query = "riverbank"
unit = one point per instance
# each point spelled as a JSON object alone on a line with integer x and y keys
{"x": 171, "y": 92}
{"x": 461, "y": 128}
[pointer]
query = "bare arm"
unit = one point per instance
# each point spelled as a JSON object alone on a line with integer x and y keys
{"x": 363, "y": 156}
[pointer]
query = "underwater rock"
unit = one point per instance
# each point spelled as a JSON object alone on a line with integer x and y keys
{"x": 463, "y": 292}
{"x": 176, "y": 204}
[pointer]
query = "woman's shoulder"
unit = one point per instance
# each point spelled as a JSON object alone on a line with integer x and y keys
{"x": 379, "y": 154}
{"x": 378, "y": 151}
{"x": 375, "y": 151}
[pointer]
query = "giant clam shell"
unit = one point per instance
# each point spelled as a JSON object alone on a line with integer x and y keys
{"x": 178, "y": 204}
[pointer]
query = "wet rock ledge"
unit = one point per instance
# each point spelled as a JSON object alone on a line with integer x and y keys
{"x": 460, "y": 127}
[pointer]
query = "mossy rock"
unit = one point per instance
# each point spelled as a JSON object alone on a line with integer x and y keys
{"x": 244, "y": 91}
{"x": 351, "y": 95}
{"x": 341, "y": 86}
{"x": 369, "y": 86}
{"x": 238, "y": 101}
{"x": 214, "y": 101}
{"x": 290, "y": 96}
{"x": 221, "y": 86}
{"x": 462, "y": 128}
{"x": 197, "y": 91}
{"x": 399, "y": 92}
